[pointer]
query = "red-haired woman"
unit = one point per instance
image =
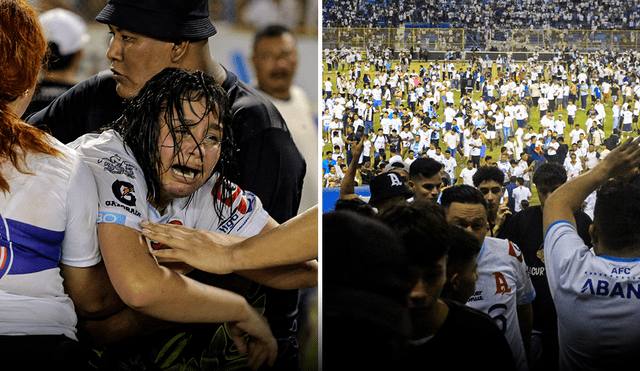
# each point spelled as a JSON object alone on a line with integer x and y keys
{"x": 50, "y": 263}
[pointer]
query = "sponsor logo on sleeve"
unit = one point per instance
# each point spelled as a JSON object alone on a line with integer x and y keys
{"x": 125, "y": 194}
{"x": 116, "y": 165}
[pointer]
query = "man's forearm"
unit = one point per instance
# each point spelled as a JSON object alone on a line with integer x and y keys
{"x": 567, "y": 199}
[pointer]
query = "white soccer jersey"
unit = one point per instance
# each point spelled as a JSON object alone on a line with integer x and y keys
{"x": 48, "y": 217}
{"x": 596, "y": 298}
{"x": 504, "y": 284}
{"x": 123, "y": 194}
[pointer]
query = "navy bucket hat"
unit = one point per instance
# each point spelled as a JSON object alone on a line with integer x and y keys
{"x": 160, "y": 19}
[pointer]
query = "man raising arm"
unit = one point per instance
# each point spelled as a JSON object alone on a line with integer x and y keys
{"x": 599, "y": 287}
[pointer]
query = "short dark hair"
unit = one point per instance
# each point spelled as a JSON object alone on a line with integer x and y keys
{"x": 272, "y": 30}
{"x": 423, "y": 229}
{"x": 462, "y": 193}
{"x": 549, "y": 174}
{"x": 617, "y": 213}
{"x": 488, "y": 173}
{"x": 424, "y": 166}
{"x": 57, "y": 61}
{"x": 356, "y": 205}
{"x": 463, "y": 246}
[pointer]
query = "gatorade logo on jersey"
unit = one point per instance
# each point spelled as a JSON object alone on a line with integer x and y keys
{"x": 124, "y": 192}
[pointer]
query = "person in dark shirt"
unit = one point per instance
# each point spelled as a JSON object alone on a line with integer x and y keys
{"x": 445, "y": 333}
{"x": 525, "y": 230}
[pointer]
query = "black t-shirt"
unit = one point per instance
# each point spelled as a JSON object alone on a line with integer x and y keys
{"x": 467, "y": 339}
{"x": 562, "y": 151}
{"x": 394, "y": 143}
{"x": 268, "y": 164}
{"x": 367, "y": 175}
{"x": 612, "y": 142}
{"x": 46, "y": 92}
{"x": 491, "y": 124}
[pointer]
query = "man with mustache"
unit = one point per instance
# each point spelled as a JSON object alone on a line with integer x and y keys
{"x": 275, "y": 60}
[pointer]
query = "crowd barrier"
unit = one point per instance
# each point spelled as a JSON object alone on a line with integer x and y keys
{"x": 422, "y": 40}
{"x": 330, "y": 196}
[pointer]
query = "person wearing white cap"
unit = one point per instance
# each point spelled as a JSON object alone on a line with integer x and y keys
{"x": 67, "y": 34}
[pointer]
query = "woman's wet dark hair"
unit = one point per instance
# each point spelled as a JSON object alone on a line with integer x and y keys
{"x": 164, "y": 94}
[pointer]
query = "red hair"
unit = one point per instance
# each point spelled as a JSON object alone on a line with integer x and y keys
{"x": 22, "y": 49}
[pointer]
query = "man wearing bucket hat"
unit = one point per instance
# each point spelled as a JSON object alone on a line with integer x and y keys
{"x": 148, "y": 36}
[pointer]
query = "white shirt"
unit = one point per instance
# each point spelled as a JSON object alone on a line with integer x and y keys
{"x": 46, "y": 219}
{"x": 575, "y": 135}
{"x": 596, "y": 298}
{"x": 106, "y": 156}
{"x": 592, "y": 159}
{"x": 450, "y": 166}
{"x": 475, "y": 151}
{"x": 503, "y": 284}
{"x": 520, "y": 193}
{"x": 516, "y": 171}
{"x": 467, "y": 175}
{"x": 451, "y": 139}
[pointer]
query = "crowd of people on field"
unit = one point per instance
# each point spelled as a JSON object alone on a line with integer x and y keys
{"x": 452, "y": 110}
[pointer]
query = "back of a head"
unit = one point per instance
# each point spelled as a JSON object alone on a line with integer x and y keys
{"x": 616, "y": 214}
{"x": 423, "y": 229}
{"x": 356, "y": 205}
{"x": 22, "y": 47}
{"x": 424, "y": 166}
{"x": 488, "y": 173}
{"x": 366, "y": 287}
{"x": 463, "y": 246}
{"x": 66, "y": 33}
{"x": 549, "y": 174}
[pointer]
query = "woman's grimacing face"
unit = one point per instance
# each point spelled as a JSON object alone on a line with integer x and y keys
{"x": 185, "y": 169}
